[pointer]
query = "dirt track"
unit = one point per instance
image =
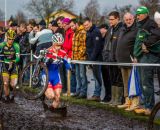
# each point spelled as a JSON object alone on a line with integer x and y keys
{"x": 30, "y": 115}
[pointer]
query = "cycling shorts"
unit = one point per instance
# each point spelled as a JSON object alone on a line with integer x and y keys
{"x": 59, "y": 85}
{"x": 12, "y": 73}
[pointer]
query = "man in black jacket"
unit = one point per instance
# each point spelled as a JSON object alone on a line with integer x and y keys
{"x": 93, "y": 48}
{"x": 146, "y": 38}
{"x": 124, "y": 53}
{"x": 109, "y": 55}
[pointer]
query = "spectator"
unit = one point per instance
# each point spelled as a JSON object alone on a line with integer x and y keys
{"x": 55, "y": 28}
{"x": 105, "y": 73}
{"x": 67, "y": 47}
{"x": 157, "y": 20}
{"x": 93, "y": 49}
{"x": 24, "y": 44}
{"x": 109, "y": 55}
{"x": 2, "y": 34}
{"x": 146, "y": 37}
{"x": 125, "y": 44}
{"x": 59, "y": 21}
{"x": 31, "y": 24}
{"x": 79, "y": 53}
{"x": 43, "y": 38}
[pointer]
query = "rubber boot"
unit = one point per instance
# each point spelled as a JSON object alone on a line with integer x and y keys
{"x": 134, "y": 105}
{"x": 126, "y": 104}
{"x": 113, "y": 89}
{"x": 118, "y": 96}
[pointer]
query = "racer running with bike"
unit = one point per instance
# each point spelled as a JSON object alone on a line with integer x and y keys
{"x": 11, "y": 52}
{"x": 55, "y": 55}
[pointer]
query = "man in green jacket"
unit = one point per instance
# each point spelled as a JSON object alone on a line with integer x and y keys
{"x": 143, "y": 52}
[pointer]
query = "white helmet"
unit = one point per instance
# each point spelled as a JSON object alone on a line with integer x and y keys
{"x": 57, "y": 38}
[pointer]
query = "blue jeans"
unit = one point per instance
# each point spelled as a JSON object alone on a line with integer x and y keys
{"x": 98, "y": 80}
{"x": 147, "y": 79}
{"x": 81, "y": 79}
{"x": 73, "y": 79}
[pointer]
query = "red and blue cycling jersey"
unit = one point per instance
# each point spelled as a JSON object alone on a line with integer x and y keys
{"x": 53, "y": 68}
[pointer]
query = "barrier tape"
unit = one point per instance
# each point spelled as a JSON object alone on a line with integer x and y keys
{"x": 105, "y": 63}
{"x": 21, "y": 54}
{"x": 112, "y": 63}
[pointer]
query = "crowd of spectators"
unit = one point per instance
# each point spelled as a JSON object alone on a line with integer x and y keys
{"x": 117, "y": 41}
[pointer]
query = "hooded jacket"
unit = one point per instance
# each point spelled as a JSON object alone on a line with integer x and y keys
{"x": 67, "y": 45}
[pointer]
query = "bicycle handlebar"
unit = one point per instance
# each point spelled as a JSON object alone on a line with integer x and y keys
{"x": 44, "y": 52}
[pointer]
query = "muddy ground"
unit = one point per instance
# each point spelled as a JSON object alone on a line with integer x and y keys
{"x": 30, "y": 115}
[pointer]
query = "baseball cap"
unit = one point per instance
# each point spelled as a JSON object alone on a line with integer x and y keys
{"x": 142, "y": 10}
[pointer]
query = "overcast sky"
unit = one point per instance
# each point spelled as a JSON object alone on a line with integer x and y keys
{"x": 14, "y": 5}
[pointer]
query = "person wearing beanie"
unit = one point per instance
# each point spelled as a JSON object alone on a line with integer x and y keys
{"x": 67, "y": 47}
{"x": 105, "y": 73}
{"x": 143, "y": 53}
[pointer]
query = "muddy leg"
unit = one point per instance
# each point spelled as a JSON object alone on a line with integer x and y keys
{"x": 56, "y": 102}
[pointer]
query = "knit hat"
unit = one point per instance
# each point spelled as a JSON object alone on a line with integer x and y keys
{"x": 54, "y": 23}
{"x": 142, "y": 10}
{"x": 42, "y": 22}
{"x": 66, "y": 20}
{"x": 103, "y": 26}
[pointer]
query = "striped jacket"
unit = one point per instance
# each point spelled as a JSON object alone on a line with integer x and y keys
{"x": 79, "y": 44}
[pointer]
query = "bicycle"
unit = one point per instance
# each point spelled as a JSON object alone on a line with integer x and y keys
{"x": 34, "y": 77}
{"x": 154, "y": 118}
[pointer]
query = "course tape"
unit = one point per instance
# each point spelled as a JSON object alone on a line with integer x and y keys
{"x": 21, "y": 54}
{"x": 105, "y": 63}
{"x": 112, "y": 63}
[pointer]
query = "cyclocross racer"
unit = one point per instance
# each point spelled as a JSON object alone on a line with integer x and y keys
{"x": 11, "y": 52}
{"x": 54, "y": 86}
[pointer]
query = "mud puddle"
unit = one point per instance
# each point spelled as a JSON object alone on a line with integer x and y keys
{"x": 30, "y": 115}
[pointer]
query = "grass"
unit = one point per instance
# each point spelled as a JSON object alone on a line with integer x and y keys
{"x": 130, "y": 115}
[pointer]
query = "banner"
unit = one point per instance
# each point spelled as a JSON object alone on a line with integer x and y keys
{"x": 134, "y": 88}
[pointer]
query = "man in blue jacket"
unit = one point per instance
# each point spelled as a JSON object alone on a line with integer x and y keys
{"x": 94, "y": 48}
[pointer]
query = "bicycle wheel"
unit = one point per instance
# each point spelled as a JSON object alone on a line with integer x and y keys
{"x": 34, "y": 80}
{"x": 154, "y": 118}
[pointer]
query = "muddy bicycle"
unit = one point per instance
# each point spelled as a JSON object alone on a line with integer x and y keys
{"x": 33, "y": 79}
{"x": 154, "y": 118}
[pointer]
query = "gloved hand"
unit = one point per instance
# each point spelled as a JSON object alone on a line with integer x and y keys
{"x": 10, "y": 66}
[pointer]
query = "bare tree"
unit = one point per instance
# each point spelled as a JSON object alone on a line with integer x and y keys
{"x": 92, "y": 11}
{"x": 152, "y": 5}
{"x": 44, "y": 8}
{"x": 20, "y": 17}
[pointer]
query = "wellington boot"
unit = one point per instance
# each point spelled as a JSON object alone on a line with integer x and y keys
{"x": 126, "y": 104}
{"x": 113, "y": 96}
{"x": 134, "y": 104}
{"x": 118, "y": 96}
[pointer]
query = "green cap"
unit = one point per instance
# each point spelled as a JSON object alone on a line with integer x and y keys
{"x": 142, "y": 10}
